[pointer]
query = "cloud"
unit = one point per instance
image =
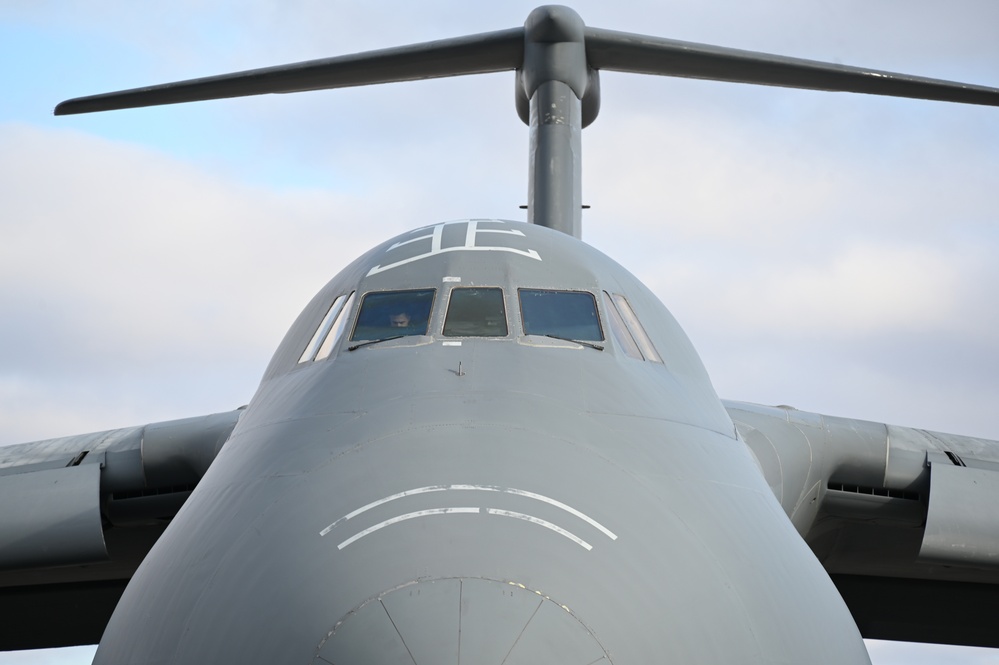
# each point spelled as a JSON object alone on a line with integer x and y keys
{"x": 121, "y": 262}
{"x": 835, "y": 252}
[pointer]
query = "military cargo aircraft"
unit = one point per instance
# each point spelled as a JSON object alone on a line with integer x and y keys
{"x": 491, "y": 502}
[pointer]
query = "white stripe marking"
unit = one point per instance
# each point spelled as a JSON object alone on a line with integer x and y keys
{"x": 466, "y": 510}
{"x": 484, "y": 488}
{"x": 540, "y": 522}
{"x": 403, "y": 518}
{"x": 375, "y": 504}
{"x": 558, "y": 504}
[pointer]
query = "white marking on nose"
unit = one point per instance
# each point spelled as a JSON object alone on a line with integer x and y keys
{"x": 540, "y": 522}
{"x": 466, "y": 510}
{"x": 494, "y": 511}
{"x": 403, "y": 518}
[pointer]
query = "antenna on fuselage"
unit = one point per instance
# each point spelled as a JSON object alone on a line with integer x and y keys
{"x": 557, "y": 60}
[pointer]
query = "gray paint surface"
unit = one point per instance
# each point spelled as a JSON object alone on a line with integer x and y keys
{"x": 958, "y": 531}
{"x": 643, "y": 449}
{"x": 51, "y": 517}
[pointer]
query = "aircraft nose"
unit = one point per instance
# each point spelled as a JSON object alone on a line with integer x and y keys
{"x": 461, "y": 621}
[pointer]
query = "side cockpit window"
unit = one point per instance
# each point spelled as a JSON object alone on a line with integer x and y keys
{"x": 387, "y": 314}
{"x": 622, "y": 335}
{"x": 628, "y": 330}
{"x": 329, "y": 331}
{"x": 475, "y": 312}
{"x": 564, "y": 314}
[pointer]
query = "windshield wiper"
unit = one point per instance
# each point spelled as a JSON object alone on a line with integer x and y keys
{"x": 576, "y": 341}
{"x": 355, "y": 347}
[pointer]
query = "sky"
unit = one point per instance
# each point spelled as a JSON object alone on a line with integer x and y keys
{"x": 829, "y": 251}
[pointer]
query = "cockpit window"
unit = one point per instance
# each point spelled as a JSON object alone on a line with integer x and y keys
{"x": 635, "y": 326}
{"x": 475, "y": 312}
{"x": 322, "y": 330}
{"x": 620, "y": 331}
{"x": 329, "y": 330}
{"x": 393, "y": 314}
{"x": 336, "y": 330}
{"x": 565, "y": 314}
{"x": 628, "y": 330}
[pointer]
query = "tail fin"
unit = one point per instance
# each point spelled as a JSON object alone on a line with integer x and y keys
{"x": 557, "y": 60}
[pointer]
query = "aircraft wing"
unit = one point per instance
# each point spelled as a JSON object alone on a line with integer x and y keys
{"x": 902, "y": 519}
{"x": 78, "y": 514}
{"x": 905, "y": 521}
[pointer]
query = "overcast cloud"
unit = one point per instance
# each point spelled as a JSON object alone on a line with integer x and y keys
{"x": 834, "y": 252}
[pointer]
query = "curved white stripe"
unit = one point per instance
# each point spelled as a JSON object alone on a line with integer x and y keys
{"x": 484, "y": 488}
{"x": 466, "y": 510}
{"x": 540, "y": 522}
{"x": 403, "y": 518}
{"x": 374, "y": 504}
{"x": 569, "y": 509}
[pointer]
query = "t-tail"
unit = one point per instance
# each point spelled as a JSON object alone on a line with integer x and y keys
{"x": 557, "y": 60}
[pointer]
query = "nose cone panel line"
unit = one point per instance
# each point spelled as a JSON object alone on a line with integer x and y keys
{"x": 461, "y": 620}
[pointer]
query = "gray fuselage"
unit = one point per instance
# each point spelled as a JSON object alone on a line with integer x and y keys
{"x": 512, "y": 498}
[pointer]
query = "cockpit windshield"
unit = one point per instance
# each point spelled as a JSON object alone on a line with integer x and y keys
{"x": 393, "y": 314}
{"x": 475, "y": 312}
{"x": 563, "y": 314}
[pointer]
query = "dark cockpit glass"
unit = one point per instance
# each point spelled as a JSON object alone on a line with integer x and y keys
{"x": 475, "y": 312}
{"x": 393, "y": 314}
{"x": 565, "y": 314}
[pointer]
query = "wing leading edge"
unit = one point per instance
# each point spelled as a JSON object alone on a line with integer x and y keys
{"x": 901, "y": 518}
{"x": 78, "y": 514}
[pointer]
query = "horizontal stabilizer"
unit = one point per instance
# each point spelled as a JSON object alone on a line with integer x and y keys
{"x": 474, "y": 54}
{"x": 638, "y": 54}
{"x": 504, "y": 51}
